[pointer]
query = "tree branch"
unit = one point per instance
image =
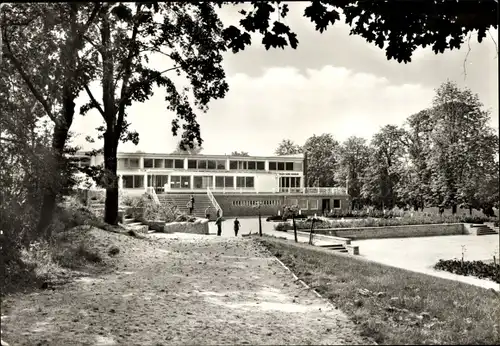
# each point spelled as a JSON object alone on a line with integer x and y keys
{"x": 94, "y": 101}
{"x": 27, "y": 79}
{"x": 467, "y": 55}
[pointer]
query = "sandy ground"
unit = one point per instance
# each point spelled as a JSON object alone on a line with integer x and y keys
{"x": 420, "y": 254}
{"x": 178, "y": 289}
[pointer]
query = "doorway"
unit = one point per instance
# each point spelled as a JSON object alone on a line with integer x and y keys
{"x": 325, "y": 205}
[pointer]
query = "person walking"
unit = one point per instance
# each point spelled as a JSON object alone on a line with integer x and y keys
{"x": 236, "y": 227}
{"x": 218, "y": 222}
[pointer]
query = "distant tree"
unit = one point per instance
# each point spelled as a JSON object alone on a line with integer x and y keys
{"x": 288, "y": 147}
{"x": 464, "y": 147}
{"x": 353, "y": 158}
{"x": 381, "y": 174}
{"x": 322, "y": 154}
{"x": 240, "y": 153}
{"x": 187, "y": 150}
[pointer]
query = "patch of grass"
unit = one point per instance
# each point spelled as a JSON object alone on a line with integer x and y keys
{"x": 392, "y": 305}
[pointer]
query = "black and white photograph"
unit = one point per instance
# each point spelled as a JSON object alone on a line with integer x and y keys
{"x": 249, "y": 173}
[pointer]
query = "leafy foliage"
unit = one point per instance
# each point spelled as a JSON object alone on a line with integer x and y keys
{"x": 240, "y": 153}
{"x": 321, "y": 160}
{"x": 473, "y": 268}
{"x": 288, "y": 147}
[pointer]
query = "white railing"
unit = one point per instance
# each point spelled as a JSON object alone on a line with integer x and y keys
{"x": 151, "y": 190}
{"x": 314, "y": 190}
{"x": 214, "y": 201}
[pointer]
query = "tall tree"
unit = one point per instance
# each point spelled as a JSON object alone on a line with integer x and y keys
{"x": 288, "y": 147}
{"x": 51, "y": 68}
{"x": 463, "y": 146}
{"x": 322, "y": 154}
{"x": 353, "y": 157}
{"x": 381, "y": 174}
{"x": 413, "y": 187}
{"x": 190, "y": 34}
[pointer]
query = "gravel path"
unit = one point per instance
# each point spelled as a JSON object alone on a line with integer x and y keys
{"x": 179, "y": 289}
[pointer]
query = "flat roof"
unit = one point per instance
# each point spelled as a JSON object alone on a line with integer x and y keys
{"x": 204, "y": 156}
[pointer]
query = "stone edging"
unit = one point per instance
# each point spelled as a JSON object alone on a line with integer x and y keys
{"x": 328, "y": 303}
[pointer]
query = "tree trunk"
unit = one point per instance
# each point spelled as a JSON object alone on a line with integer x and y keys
{"x": 470, "y": 210}
{"x": 294, "y": 228}
{"x": 53, "y": 184}
{"x": 260, "y": 224}
{"x": 111, "y": 204}
{"x": 454, "y": 209}
{"x": 311, "y": 233}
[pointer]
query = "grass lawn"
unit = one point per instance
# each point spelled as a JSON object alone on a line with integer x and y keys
{"x": 392, "y": 305}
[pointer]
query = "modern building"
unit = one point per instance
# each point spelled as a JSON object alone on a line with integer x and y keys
{"x": 239, "y": 184}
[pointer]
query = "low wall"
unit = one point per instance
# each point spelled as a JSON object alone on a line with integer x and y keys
{"x": 406, "y": 231}
{"x": 345, "y": 241}
{"x": 200, "y": 226}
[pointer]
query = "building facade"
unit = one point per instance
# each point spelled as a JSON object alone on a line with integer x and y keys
{"x": 238, "y": 183}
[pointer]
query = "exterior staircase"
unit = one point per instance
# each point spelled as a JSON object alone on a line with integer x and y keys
{"x": 485, "y": 229}
{"x": 130, "y": 224}
{"x": 201, "y": 202}
{"x": 335, "y": 247}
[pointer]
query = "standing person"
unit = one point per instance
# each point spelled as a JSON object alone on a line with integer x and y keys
{"x": 236, "y": 227}
{"x": 189, "y": 205}
{"x": 218, "y": 222}
{"x": 191, "y": 199}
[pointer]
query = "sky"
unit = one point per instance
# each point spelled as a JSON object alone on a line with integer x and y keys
{"x": 332, "y": 83}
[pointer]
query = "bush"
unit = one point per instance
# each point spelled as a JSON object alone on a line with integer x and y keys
{"x": 416, "y": 219}
{"x": 474, "y": 268}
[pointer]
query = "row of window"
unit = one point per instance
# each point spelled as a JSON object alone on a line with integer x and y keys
{"x": 311, "y": 204}
{"x": 184, "y": 181}
{"x": 134, "y": 163}
{"x": 255, "y": 203}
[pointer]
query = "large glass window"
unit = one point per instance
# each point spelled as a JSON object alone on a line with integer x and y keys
{"x": 233, "y": 164}
{"x": 133, "y": 181}
{"x": 229, "y": 182}
{"x": 148, "y": 163}
{"x": 289, "y": 166}
{"x": 272, "y": 166}
{"x": 169, "y": 163}
{"x": 128, "y": 181}
{"x": 249, "y": 182}
{"x": 221, "y": 164}
{"x": 251, "y": 164}
{"x": 138, "y": 181}
{"x": 303, "y": 203}
{"x": 297, "y": 166}
{"x": 313, "y": 204}
{"x": 281, "y": 166}
{"x": 261, "y": 165}
{"x": 336, "y": 204}
{"x": 185, "y": 182}
{"x": 211, "y": 164}
{"x": 202, "y": 164}
{"x": 159, "y": 163}
{"x": 219, "y": 182}
{"x": 202, "y": 182}
{"x": 157, "y": 180}
{"x": 122, "y": 163}
{"x": 245, "y": 182}
{"x": 192, "y": 164}
{"x": 179, "y": 164}
{"x": 133, "y": 163}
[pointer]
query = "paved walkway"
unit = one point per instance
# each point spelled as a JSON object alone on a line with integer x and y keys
{"x": 180, "y": 289}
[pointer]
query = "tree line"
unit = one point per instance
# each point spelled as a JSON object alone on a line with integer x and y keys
{"x": 53, "y": 52}
{"x": 446, "y": 155}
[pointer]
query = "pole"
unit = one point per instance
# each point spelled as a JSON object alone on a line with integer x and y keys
{"x": 260, "y": 224}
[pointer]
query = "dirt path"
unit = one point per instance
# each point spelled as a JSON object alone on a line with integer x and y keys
{"x": 198, "y": 290}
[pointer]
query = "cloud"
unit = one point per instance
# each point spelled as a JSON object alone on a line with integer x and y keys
{"x": 282, "y": 103}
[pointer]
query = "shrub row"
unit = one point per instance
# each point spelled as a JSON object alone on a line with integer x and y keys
{"x": 473, "y": 268}
{"x": 384, "y": 222}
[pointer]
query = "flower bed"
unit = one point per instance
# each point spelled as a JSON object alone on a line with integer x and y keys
{"x": 478, "y": 269}
{"x": 376, "y": 222}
